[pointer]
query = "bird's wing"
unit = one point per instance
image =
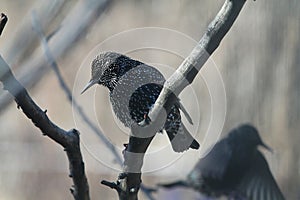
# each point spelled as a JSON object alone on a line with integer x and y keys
{"x": 215, "y": 163}
{"x": 259, "y": 183}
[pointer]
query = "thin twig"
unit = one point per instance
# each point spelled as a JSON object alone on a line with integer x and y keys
{"x": 48, "y": 55}
{"x": 37, "y": 27}
{"x": 78, "y": 20}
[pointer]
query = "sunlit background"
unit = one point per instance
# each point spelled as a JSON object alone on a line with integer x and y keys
{"x": 258, "y": 61}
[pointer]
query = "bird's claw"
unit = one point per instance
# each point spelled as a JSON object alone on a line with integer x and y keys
{"x": 146, "y": 121}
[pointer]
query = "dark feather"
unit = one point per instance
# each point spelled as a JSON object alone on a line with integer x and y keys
{"x": 236, "y": 168}
{"x": 134, "y": 88}
{"x": 258, "y": 183}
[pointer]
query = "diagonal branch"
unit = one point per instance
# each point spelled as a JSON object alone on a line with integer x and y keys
{"x": 37, "y": 27}
{"x": 128, "y": 183}
{"x": 48, "y": 55}
{"x": 190, "y": 67}
{"x": 79, "y": 19}
{"x": 68, "y": 139}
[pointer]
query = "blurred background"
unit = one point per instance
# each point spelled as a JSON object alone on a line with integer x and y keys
{"x": 258, "y": 61}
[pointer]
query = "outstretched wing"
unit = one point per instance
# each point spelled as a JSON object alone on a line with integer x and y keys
{"x": 259, "y": 183}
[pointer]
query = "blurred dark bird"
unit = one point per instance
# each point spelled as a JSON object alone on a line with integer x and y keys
{"x": 134, "y": 88}
{"x": 234, "y": 167}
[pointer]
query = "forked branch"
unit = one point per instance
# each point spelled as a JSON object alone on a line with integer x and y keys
{"x": 68, "y": 139}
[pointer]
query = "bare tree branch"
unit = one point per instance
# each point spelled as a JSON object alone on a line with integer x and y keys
{"x": 37, "y": 27}
{"x": 190, "y": 67}
{"x": 78, "y": 20}
{"x": 68, "y": 139}
{"x": 129, "y": 181}
{"x": 23, "y": 37}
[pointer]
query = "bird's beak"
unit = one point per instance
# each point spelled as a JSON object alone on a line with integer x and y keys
{"x": 90, "y": 84}
{"x": 267, "y": 147}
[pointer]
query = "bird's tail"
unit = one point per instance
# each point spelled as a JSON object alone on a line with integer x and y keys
{"x": 181, "y": 139}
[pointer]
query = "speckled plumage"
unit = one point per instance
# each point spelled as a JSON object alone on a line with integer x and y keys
{"x": 134, "y": 87}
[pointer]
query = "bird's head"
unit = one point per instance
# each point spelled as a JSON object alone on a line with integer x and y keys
{"x": 107, "y": 69}
{"x": 248, "y": 135}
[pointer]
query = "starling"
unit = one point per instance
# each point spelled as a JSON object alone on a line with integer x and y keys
{"x": 234, "y": 167}
{"x": 133, "y": 89}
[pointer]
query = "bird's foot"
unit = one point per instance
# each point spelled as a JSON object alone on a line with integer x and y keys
{"x": 146, "y": 121}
